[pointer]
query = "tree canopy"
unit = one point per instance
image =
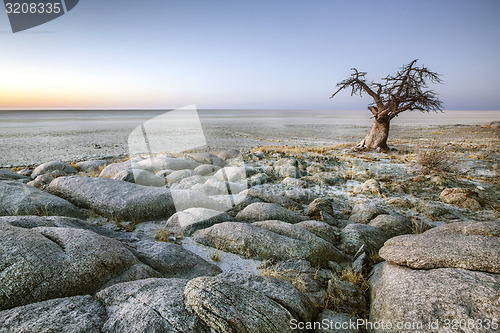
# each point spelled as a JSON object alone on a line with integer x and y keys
{"x": 404, "y": 91}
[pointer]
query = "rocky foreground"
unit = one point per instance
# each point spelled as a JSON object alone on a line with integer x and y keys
{"x": 276, "y": 239}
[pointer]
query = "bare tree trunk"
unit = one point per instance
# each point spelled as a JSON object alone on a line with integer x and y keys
{"x": 377, "y": 136}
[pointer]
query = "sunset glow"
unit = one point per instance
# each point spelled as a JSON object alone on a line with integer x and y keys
{"x": 249, "y": 55}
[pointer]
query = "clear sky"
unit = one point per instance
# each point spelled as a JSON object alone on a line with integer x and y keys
{"x": 247, "y": 54}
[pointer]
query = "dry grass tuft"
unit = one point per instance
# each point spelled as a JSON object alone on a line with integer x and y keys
{"x": 296, "y": 150}
{"x": 217, "y": 253}
{"x": 162, "y": 235}
{"x": 294, "y": 277}
{"x": 375, "y": 258}
{"x": 42, "y": 211}
{"x": 417, "y": 225}
{"x": 96, "y": 173}
{"x": 128, "y": 226}
{"x": 434, "y": 158}
{"x": 355, "y": 278}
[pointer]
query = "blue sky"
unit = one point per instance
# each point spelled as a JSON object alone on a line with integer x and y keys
{"x": 246, "y": 54}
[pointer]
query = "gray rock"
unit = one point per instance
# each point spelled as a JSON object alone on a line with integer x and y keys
{"x": 299, "y": 233}
{"x": 346, "y": 296}
{"x": 185, "y": 199}
{"x": 317, "y": 206}
{"x": 178, "y": 175}
{"x": 316, "y": 167}
{"x": 151, "y": 305}
{"x": 364, "y": 212}
{"x": 444, "y": 250}
{"x": 114, "y": 198}
{"x": 78, "y": 314}
{"x": 113, "y": 169}
{"x": 258, "y": 179}
{"x": 271, "y": 198}
{"x": 268, "y": 211}
{"x": 155, "y": 164}
{"x": 294, "y": 182}
{"x": 44, "y": 263}
{"x": 462, "y": 197}
{"x": 400, "y": 202}
{"x": 322, "y": 230}
{"x": 10, "y": 175}
{"x": 229, "y": 154}
{"x": 172, "y": 260}
{"x": 303, "y": 275}
{"x": 208, "y": 189}
{"x": 30, "y": 222}
{"x": 207, "y": 158}
{"x": 193, "y": 180}
{"x": 188, "y": 221}
{"x": 125, "y": 201}
{"x": 163, "y": 173}
{"x": 431, "y": 209}
{"x": 371, "y": 186}
{"x": 53, "y": 166}
{"x": 207, "y": 169}
{"x": 325, "y": 178}
{"x": 392, "y": 225}
{"x": 20, "y": 199}
{"x": 242, "y": 201}
{"x": 322, "y": 209}
{"x": 246, "y": 303}
{"x": 41, "y": 182}
{"x": 334, "y": 322}
{"x": 231, "y": 174}
{"x": 224, "y": 188}
{"x": 88, "y": 166}
{"x": 300, "y": 195}
{"x": 361, "y": 261}
{"x": 278, "y": 290}
{"x": 287, "y": 167}
{"x": 353, "y": 236}
{"x": 25, "y": 172}
{"x": 424, "y": 297}
{"x": 254, "y": 242}
{"x": 482, "y": 228}
{"x": 495, "y": 124}
{"x": 140, "y": 177}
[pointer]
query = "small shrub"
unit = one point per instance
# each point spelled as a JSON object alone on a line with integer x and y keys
{"x": 96, "y": 173}
{"x": 42, "y": 211}
{"x": 294, "y": 277}
{"x": 417, "y": 225}
{"x": 217, "y": 253}
{"x": 355, "y": 278}
{"x": 434, "y": 159}
{"x": 162, "y": 235}
{"x": 375, "y": 258}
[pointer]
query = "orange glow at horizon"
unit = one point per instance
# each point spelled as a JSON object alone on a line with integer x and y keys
{"x": 24, "y": 87}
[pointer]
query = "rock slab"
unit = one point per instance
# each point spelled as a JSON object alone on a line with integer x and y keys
{"x": 245, "y": 303}
{"x": 436, "y": 249}
{"x": 43, "y": 263}
{"x": 20, "y": 199}
{"x": 425, "y": 297}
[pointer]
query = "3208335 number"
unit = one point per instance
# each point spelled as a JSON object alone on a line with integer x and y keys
{"x": 33, "y": 8}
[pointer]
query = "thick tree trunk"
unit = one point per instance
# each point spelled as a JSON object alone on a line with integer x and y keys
{"x": 377, "y": 136}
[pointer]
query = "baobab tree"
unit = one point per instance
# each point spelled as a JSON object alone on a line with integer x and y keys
{"x": 404, "y": 91}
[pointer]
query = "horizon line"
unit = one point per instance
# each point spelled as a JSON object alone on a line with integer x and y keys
{"x": 207, "y": 109}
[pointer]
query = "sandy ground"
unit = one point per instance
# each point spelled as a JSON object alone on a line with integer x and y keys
{"x": 34, "y": 137}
